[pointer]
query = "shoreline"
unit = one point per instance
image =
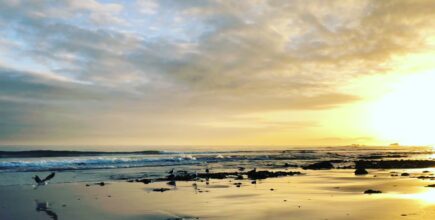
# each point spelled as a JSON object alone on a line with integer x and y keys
{"x": 320, "y": 194}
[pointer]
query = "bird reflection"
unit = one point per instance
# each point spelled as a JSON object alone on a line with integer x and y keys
{"x": 45, "y": 207}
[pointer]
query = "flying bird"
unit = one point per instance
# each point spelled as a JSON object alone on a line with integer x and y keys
{"x": 42, "y": 182}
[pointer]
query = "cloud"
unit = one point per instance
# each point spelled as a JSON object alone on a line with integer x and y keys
{"x": 147, "y": 7}
{"x": 365, "y": 140}
{"x": 181, "y": 63}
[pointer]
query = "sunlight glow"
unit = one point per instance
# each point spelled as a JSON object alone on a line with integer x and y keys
{"x": 407, "y": 114}
{"x": 426, "y": 197}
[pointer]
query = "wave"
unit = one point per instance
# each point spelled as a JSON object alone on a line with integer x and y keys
{"x": 56, "y": 153}
{"x": 127, "y": 161}
{"x": 47, "y": 160}
{"x": 61, "y": 164}
{"x": 67, "y": 153}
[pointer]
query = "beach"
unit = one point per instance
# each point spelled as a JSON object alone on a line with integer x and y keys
{"x": 217, "y": 110}
{"x": 335, "y": 193}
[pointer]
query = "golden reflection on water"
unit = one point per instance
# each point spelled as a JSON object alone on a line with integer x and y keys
{"x": 427, "y": 196}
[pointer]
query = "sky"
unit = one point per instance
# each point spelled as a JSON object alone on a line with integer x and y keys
{"x": 217, "y": 72}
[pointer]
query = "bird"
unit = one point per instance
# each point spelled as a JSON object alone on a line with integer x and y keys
{"x": 42, "y": 182}
{"x": 171, "y": 175}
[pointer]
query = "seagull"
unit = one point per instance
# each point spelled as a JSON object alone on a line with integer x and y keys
{"x": 44, "y": 181}
{"x": 171, "y": 175}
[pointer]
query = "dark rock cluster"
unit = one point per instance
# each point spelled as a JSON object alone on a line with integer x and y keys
{"x": 371, "y": 191}
{"x": 323, "y": 165}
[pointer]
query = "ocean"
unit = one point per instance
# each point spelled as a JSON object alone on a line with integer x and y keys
{"x": 18, "y": 166}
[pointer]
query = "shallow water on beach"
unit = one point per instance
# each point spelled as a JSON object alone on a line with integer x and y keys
{"x": 316, "y": 194}
{"x": 326, "y": 194}
{"x": 100, "y": 166}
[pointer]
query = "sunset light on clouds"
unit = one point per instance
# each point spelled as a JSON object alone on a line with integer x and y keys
{"x": 217, "y": 72}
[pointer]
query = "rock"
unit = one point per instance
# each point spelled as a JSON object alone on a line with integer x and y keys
{"x": 371, "y": 191}
{"x": 431, "y": 185}
{"x": 237, "y": 184}
{"x": 361, "y": 171}
{"x": 161, "y": 189}
{"x": 405, "y": 174}
{"x": 395, "y": 164}
{"x": 172, "y": 183}
{"x": 289, "y": 165}
{"x": 221, "y": 175}
{"x": 254, "y": 175}
{"x": 323, "y": 165}
{"x": 144, "y": 181}
{"x": 254, "y": 182}
{"x": 101, "y": 184}
{"x": 426, "y": 177}
{"x": 180, "y": 176}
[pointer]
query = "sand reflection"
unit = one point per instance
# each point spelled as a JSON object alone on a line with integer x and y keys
{"x": 45, "y": 207}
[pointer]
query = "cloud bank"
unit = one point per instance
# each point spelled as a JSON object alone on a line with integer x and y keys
{"x": 168, "y": 72}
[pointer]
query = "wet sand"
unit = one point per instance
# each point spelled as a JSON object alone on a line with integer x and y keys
{"x": 318, "y": 194}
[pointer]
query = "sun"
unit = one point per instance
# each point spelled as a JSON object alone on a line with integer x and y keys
{"x": 407, "y": 114}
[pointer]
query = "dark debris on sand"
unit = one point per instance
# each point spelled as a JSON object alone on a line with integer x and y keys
{"x": 253, "y": 175}
{"x": 256, "y": 175}
{"x": 161, "y": 189}
{"x": 143, "y": 180}
{"x": 395, "y": 164}
{"x": 237, "y": 184}
{"x": 97, "y": 184}
{"x": 381, "y": 156}
{"x": 323, "y": 165}
{"x": 426, "y": 177}
{"x": 371, "y": 191}
{"x": 361, "y": 171}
